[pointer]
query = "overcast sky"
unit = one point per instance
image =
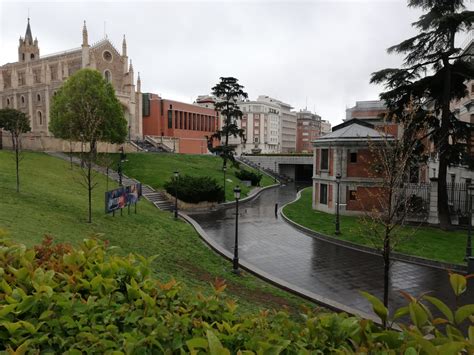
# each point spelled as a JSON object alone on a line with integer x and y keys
{"x": 314, "y": 53}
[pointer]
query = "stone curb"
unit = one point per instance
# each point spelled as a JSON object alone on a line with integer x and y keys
{"x": 364, "y": 249}
{"x": 296, "y": 290}
{"x": 253, "y": 195}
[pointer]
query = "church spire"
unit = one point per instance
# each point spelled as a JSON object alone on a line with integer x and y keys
{"x": 124, "y": 47}
{"x": 28, "y": 35}
{"x": 28, "y": 49}
{"x": 85, "y": 37}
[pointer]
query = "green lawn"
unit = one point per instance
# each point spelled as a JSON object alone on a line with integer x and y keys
{"x": 426, "y": 242}
{"x": 52, "y": 202}
{"x": 156, "y": 169}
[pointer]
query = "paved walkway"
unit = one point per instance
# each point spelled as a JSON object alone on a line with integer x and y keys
{"x": 329, "y": 270}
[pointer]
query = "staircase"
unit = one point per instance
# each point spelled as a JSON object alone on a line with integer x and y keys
{"x": 272, "y": 173}
{"x": 148, "y": 146}
{"x": 157, "y": 198}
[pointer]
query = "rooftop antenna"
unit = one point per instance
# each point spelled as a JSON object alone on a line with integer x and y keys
{"x": 28, "y": 13}
{"x": 105, "y": 31}
{"x": 306, "y": 107}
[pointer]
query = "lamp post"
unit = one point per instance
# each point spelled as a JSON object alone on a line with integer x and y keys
{"x": 224, "y": 169}
{"x": 275, "y": 177}
{"x": 120, "y": 166}
{"x": 338, "y": 182}
{"x": 469, "y": 224}
{"x": 176, "y": 177}
{"x": 235, "y": 261}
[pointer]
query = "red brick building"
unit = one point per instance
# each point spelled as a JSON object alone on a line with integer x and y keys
{"x": 182, "y": 127}
{"x": 308, "y": 128}
{"x": 345, "y": 150}
{"x": 372, "y": 112}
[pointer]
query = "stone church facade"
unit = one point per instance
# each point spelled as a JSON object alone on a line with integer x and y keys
{"x": 30, "y": 83}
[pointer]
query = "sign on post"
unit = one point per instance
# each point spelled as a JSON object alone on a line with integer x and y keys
{"x": 122, "y": 197}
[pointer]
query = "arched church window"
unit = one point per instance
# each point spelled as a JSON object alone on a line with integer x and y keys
{"x": 23, "y": 57}
{"x": 108, "y": 76}
{"x": 23, "y": 101}
{"x": 32, "y": 56}
{"x": 40, "y": 118}
{"x": 8, "y": 102}
{"x": 38, "y": 97}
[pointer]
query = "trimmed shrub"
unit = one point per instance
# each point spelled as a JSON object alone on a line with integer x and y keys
{"x": 195, "y": 189}
{"x": 254, "y": 178}
{"x": 60, "y": 299}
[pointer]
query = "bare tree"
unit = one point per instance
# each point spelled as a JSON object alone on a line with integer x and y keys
{"x": 393, "y": 158}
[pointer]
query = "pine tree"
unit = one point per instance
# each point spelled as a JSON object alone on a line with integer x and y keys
{"x": 228, "y": 93}
{"x": 434, "y": 73}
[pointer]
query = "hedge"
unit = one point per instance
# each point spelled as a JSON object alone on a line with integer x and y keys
{"x": 254, "y": 178}
{"x": 195, "y": 189}
{"x": 60, "y": 299}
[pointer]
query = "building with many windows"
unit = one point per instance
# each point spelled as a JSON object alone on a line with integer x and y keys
{"x": 287, "y": 124}
{"x": 309, "y": 127}
{"x": 30, "y": 83}
{"x": 181, "y": 127}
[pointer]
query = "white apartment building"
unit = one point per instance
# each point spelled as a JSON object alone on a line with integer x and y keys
{"x": 287, "y": 124}
{"x": 269, "y": 125}
{"x": 262, "y": 126}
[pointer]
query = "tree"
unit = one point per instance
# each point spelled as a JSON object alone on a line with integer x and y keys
{"x": 86, "y": 109}
{"x": 227, "y": 92}
{"x": 17, "y": 123}
{"x": 434, "y": 73}
{"x": 392, "y": 161}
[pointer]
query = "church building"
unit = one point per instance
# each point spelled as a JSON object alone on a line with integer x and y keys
{"x": 30, "y": 83}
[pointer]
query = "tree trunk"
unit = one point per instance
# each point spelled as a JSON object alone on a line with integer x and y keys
{"x": 17, "y": 161}
{"x": 443, "y": 146}
{"x": 89, "y": 188}
{"x": 70, "y": 153}
{"x": 91, "y": 159}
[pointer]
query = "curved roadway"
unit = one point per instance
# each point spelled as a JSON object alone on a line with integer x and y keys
{"x": 332, "y": 271}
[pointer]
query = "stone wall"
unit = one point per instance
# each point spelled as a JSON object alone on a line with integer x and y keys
{"x": 186, "y": 206}
{"x": 47, "y": 143}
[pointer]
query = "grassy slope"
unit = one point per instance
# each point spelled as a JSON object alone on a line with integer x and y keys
{"x": 52, "y": 202}
{"x": 427, "y": 242}
{"x": 155, "y": 169}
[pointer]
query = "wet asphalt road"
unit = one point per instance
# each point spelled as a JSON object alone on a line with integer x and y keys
{"x": 332, "y": 271}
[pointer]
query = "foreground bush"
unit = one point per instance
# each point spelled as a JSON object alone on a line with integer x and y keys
{"x": 57, "y": 299}
{"x": 254, "y": 178}
{"x": 195, "y": 189}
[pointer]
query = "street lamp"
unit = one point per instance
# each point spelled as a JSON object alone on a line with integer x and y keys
{"x": 338, "y": 182}
{"x": 120, "y": 167}
{"x": 469, "y": 225}
{"x": 224, "y": 169}
{"x": 176, "y": 177}
{"x": 235, "y": 261}
{"x": 275, "y": 172}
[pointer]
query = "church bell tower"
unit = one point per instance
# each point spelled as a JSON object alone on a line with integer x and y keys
{"x": 28, "y": 49}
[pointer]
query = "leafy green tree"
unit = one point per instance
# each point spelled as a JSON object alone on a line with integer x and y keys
{"x": 17, "y": 123}
{"x": 228, "y": 93}
{"x": 86, "y": 109}
{"x": 435, "y": 73}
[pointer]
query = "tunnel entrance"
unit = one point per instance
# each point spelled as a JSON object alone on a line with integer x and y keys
{"x": 303, "y": 173}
